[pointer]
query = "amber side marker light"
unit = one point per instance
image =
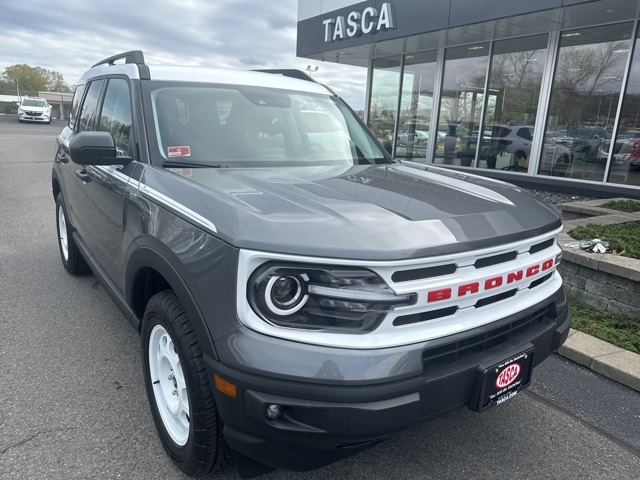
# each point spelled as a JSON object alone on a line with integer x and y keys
{"x": 224, "y": 386}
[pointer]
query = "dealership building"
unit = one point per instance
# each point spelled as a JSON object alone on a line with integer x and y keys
{"x": 541, "y": 93}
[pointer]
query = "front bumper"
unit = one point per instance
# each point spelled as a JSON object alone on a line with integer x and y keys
{"x": 327, "y": 420}
{"x": 34, "y": 118}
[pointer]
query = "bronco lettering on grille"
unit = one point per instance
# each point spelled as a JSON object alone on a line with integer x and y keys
{"x": 476, "y": 287}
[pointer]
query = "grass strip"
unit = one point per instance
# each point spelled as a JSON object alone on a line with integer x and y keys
{"x": 618, "y": 329}
{"x": 628, "y": 206}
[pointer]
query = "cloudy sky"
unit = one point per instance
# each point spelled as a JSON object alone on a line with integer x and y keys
{"x": 71, "y": 35}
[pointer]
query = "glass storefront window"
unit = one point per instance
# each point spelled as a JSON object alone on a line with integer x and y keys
{"x": 625, "y": 166}
{"x": 461, "y": 103}
{"x": 383, "y": 107}
{"x": 416, "y": 104}
{"x": 584, "y": 100}
{"x": 512, "y": 102}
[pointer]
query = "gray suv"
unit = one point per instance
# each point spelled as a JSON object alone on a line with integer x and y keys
{"x": 299, "y": 295}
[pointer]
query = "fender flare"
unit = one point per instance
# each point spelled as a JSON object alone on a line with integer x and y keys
{"x": 155, "y": 255}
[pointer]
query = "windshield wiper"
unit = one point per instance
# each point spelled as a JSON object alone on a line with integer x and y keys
{"x": 172, "y": 164}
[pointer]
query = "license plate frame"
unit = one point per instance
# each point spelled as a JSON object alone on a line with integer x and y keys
{"x": 514, "y": 371}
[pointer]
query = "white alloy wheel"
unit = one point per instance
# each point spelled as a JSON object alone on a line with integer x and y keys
{"x": 62, "y": 229}
{"x": 169, "y": 387}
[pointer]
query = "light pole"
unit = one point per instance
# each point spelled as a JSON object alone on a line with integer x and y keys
{"x": 309, "y": 70}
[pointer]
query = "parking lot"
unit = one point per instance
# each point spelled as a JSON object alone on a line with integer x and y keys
{"x": 73, "y": 405}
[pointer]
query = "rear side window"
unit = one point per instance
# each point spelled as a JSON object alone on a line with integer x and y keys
{"x": 90, "y": 106}
{"x": 116, "y": 114}
{"x": 525, "y": 133}
{"x": 75, "y": 105}
{"x": 500, "y": 132}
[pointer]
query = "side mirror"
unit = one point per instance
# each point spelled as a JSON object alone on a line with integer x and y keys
{"x": 386, "y": 144}
{"x": 95, "y": 148}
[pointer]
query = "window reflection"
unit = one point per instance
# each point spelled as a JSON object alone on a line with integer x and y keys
{"x": 384, "y": 97}
{"x": 584, "y": 101}
{"x": 416, "y": 104}
{"x": 461, "y": 104}
{"x": 625, "y": 166}
{"x": 514, "y": 88}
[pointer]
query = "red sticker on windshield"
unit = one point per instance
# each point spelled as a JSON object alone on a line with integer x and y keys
{"x": 179, "y": 151}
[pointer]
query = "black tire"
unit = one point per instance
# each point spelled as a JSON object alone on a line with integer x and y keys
{"x": 200, "y": 446}
{"x": 70, "y": 255}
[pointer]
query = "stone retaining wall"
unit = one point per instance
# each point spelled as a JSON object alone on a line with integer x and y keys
{"x": 602, "y": 290}
{"x": 605, "y": 281}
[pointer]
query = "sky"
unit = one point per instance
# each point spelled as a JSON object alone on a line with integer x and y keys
{"x": 71, "y": 35}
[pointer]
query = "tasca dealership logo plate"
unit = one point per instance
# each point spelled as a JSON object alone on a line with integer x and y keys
{"x": 501, "y": 381}
{"x": 508, "y": 375}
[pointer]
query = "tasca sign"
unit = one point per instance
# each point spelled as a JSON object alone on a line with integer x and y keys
{"x": 357, "y": 23}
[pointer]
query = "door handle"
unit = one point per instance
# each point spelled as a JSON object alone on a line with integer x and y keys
{"x": 83, "y": 175}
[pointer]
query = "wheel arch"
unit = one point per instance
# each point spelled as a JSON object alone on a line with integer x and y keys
{"x": 155, "y": 268}
{"x": 55, "y": 185}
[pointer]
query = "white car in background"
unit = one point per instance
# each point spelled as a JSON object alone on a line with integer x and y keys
{"x": 417, "y": 137}
{"x": 514, "y": 139}
{"x": 34, "y": 109}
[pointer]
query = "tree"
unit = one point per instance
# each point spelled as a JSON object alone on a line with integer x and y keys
{"x": 55, "y": 80}
{"x": 30, "y": 80}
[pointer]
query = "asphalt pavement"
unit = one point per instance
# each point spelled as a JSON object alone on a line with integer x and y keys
{"x": 73, "y": 405}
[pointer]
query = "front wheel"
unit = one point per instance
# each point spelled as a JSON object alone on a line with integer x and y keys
{"x": 179, "y": 393}
{"x": 72, "y": 259}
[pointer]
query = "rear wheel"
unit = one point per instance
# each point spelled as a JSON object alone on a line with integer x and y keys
{"x": 179, "y": 393}
{"x": 69, "y": 253}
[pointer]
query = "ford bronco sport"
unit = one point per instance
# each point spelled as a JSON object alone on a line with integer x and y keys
{"x": 299, "y": 294}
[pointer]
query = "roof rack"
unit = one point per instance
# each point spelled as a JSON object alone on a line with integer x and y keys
{"x": 133, "y": 56}
{"x": 289, "y": 72}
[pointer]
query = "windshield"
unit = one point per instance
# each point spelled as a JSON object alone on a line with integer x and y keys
{"x": 34, "y": 102}
{"x": 240, "y": 126}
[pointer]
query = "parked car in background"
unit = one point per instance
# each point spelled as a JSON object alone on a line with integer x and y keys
{"x": 581, "y": 139}
{"x": 627, "y": 151}
{"x": 514, "y": 139}
{"x": 416, "y": 137}
{"x": 34, "y": 109}
{"x": 556, "y": 157}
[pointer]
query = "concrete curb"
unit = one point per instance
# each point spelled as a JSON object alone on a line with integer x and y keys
{"x": 613, "y": 362}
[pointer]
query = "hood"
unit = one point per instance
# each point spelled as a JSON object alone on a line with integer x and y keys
{"x": 34, "y": 109}
{"x": 374, "y": 212}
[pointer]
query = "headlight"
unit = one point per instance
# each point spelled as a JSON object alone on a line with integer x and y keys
{"x": 321, "y": 298}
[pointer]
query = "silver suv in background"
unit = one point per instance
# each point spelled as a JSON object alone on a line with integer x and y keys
{"x": 34, "y": 109}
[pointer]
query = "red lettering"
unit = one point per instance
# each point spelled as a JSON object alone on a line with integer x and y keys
{"x": 492, "y": 283}
{"x": 515, "y": 276}
{"x": 442, "y": 294}
{"x": 547, "y": 265}
{"x": 533, "y": 270}
{"x": 468, "y": 288}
